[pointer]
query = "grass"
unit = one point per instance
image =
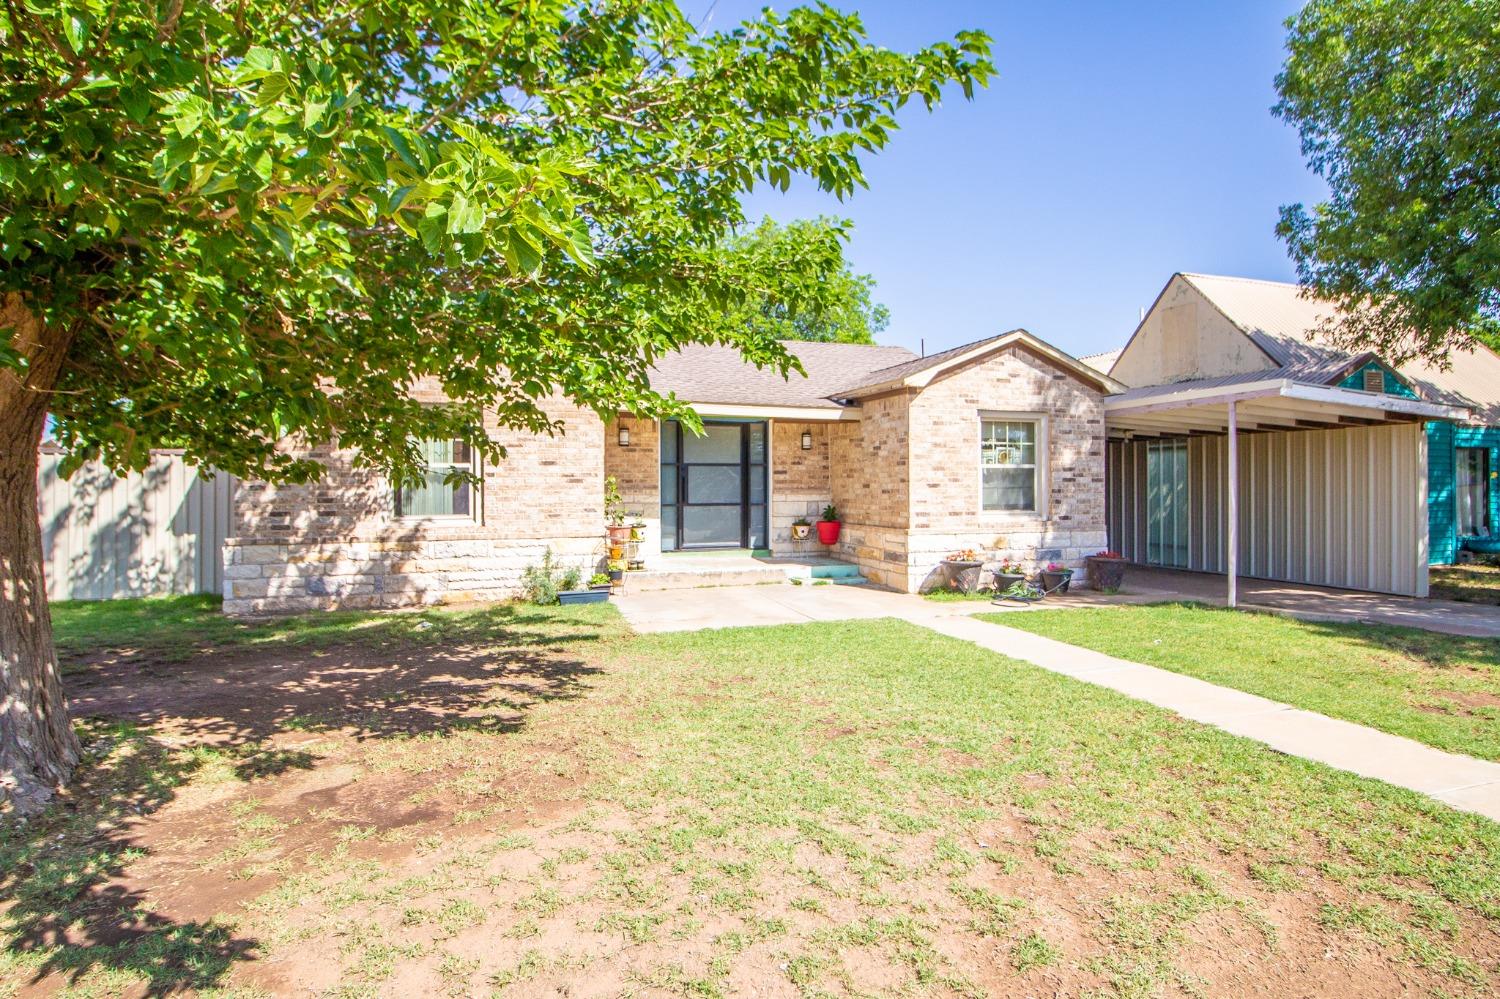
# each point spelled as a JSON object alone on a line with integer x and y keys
{"x": 1443, "y": 690}
{"x": 171, "y": 629}
{"x": 1474, "y": 583}
{"x": 886, "y": 811}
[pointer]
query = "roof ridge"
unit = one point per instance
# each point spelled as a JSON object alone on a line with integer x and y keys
{"x": 1247, "y": 280}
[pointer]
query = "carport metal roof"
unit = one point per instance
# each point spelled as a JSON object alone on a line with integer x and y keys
{"x": 1239, "y": 404}
{"x": 1262, "y": 404}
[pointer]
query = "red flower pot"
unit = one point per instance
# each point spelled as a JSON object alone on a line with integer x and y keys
{"x": 828, "y": 531}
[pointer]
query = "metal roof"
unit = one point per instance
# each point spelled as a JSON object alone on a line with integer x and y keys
{"x": 1102, "y": 362}
{"x": 1286, "y": 324}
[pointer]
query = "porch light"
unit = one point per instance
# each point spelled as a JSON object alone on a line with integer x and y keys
{"x": 624, "y": 437}
{"x": 807, "y": 440}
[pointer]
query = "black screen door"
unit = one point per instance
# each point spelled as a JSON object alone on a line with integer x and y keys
{"x": 713, "y": 485}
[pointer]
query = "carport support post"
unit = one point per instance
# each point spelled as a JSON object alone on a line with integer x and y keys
{"x": 1233, "y": 503}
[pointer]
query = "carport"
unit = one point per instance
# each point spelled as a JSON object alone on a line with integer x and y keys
{"x": 1272, "y": 478}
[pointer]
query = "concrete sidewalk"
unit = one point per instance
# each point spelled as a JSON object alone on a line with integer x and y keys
{"x": 1459, "y": 781}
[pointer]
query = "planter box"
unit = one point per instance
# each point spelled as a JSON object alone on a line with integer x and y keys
{"x": 1105, "y": 573}
{"x": 588, "y": 596}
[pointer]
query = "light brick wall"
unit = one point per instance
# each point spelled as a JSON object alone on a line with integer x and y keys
{"x": 637, "y": 472}
{"x": 901, "y": 518}
{"x": 869, "y": 464}
{"x": 799, "y": 483}
{"x": 338, "y": 543}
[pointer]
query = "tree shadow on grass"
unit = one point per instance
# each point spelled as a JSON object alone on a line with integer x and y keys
{"x": 68, "y": 916}
{"x": 154, "y": 723}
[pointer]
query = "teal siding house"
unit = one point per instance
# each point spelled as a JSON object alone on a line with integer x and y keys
{"x": 1463, "y": 470}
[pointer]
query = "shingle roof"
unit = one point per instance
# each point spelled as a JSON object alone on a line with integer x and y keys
{"x": 701, "y": 373}
{"x": 912, "y": 365}
{"x": 1285, "y": 324}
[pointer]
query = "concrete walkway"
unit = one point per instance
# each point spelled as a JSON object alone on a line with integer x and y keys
{"x": 1315, "y": 603}
{"x": 1459, "y": 781}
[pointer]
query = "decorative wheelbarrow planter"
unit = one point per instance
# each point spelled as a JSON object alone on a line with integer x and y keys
{"x": 592, "y": 595}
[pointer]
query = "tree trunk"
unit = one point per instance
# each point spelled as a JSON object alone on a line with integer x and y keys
{"x": 38, "y": 748}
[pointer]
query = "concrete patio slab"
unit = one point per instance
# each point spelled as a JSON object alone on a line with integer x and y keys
{"x": 1316, "y": 603}
{"x": 1461, "y": 782}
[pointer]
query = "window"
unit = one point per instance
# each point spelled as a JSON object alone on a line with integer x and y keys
{"x": 1471, "y": 489}
{"x": 1007, "y": 465}
{"x": 433, "y": 497}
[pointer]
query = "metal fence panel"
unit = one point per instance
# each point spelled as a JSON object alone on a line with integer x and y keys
{"x": 149, "y": 533}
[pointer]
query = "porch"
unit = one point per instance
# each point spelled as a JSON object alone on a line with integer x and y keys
{"x": 735, "y": 491}
{"x": 692, "y": 570}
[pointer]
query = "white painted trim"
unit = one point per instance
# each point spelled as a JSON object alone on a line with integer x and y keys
{"x": 1043, "y": 469}
{"x": 710, "y": 410}
{"x": 1232, "y": 514}
{"x": 921, "y": 379}
{"x": 1215, "y": 395}
{"x": 769, "y": 472}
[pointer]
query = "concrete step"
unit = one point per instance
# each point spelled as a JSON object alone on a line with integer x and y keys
{"x": 839, "y": 571}
{"x": 687, "y": 579}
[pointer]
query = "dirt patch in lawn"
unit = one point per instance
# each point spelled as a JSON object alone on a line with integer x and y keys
{"x": 1465, "y": 702}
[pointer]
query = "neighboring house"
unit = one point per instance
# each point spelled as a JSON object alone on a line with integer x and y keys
{"x": 1355, "y": 473}
{"x": 997, "y": 445}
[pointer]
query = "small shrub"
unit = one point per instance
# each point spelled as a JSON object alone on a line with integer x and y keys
{"x": 541, "y": 583}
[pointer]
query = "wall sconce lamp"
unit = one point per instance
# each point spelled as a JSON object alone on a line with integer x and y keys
{"x": 807, "y": 440}
{"x": 624, "y": 437}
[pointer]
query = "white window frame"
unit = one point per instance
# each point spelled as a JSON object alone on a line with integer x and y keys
{"x": 472, "y": 516}
{"x": 1041, "y": 470}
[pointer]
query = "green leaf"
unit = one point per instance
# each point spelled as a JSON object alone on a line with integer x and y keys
{"x": 76, "y": 31}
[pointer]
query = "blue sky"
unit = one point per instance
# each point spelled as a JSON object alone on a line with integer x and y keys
{"x": 1118, "y": 144}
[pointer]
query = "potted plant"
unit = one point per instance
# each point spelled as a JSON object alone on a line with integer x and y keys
{"x": 599, "y": 581}
{"x": 1056, "y": 578}
{"x": 616, "y": 572}
{"x": 614, "y": 513}
{"x": 637, "y": 528}
{"x": 1008, "y": 573}
{"x": 829, "y": 526}
{"x": 963, "y": 569}
{"x": 571, "y": 591}
{"x": 1106, "y": 570}
{"x": 801, "y": 529}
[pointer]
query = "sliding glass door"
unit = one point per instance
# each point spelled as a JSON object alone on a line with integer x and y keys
{"x": 1167, "y": 502}
{"x": 713, "y": 486}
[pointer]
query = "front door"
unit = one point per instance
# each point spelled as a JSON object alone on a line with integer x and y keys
{"x": 713, "y": 486}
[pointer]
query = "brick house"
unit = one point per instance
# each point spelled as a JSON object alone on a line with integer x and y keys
{"x": 998, "y": 445}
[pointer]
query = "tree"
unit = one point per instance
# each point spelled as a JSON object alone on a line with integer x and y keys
{"x": 227, "y": 224}
{"x": 845, "y": 313}
{"x": 1398, "y": 106}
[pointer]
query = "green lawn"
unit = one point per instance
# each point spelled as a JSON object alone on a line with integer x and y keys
{"x": 1475, "y": 583}
{"x": 470, "y": 803}
{"x": 1443, "y": 690}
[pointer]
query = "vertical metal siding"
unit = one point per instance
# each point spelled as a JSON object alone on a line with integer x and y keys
{"x": 1340, "y": 508}
{"x": 150, "y": 533}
